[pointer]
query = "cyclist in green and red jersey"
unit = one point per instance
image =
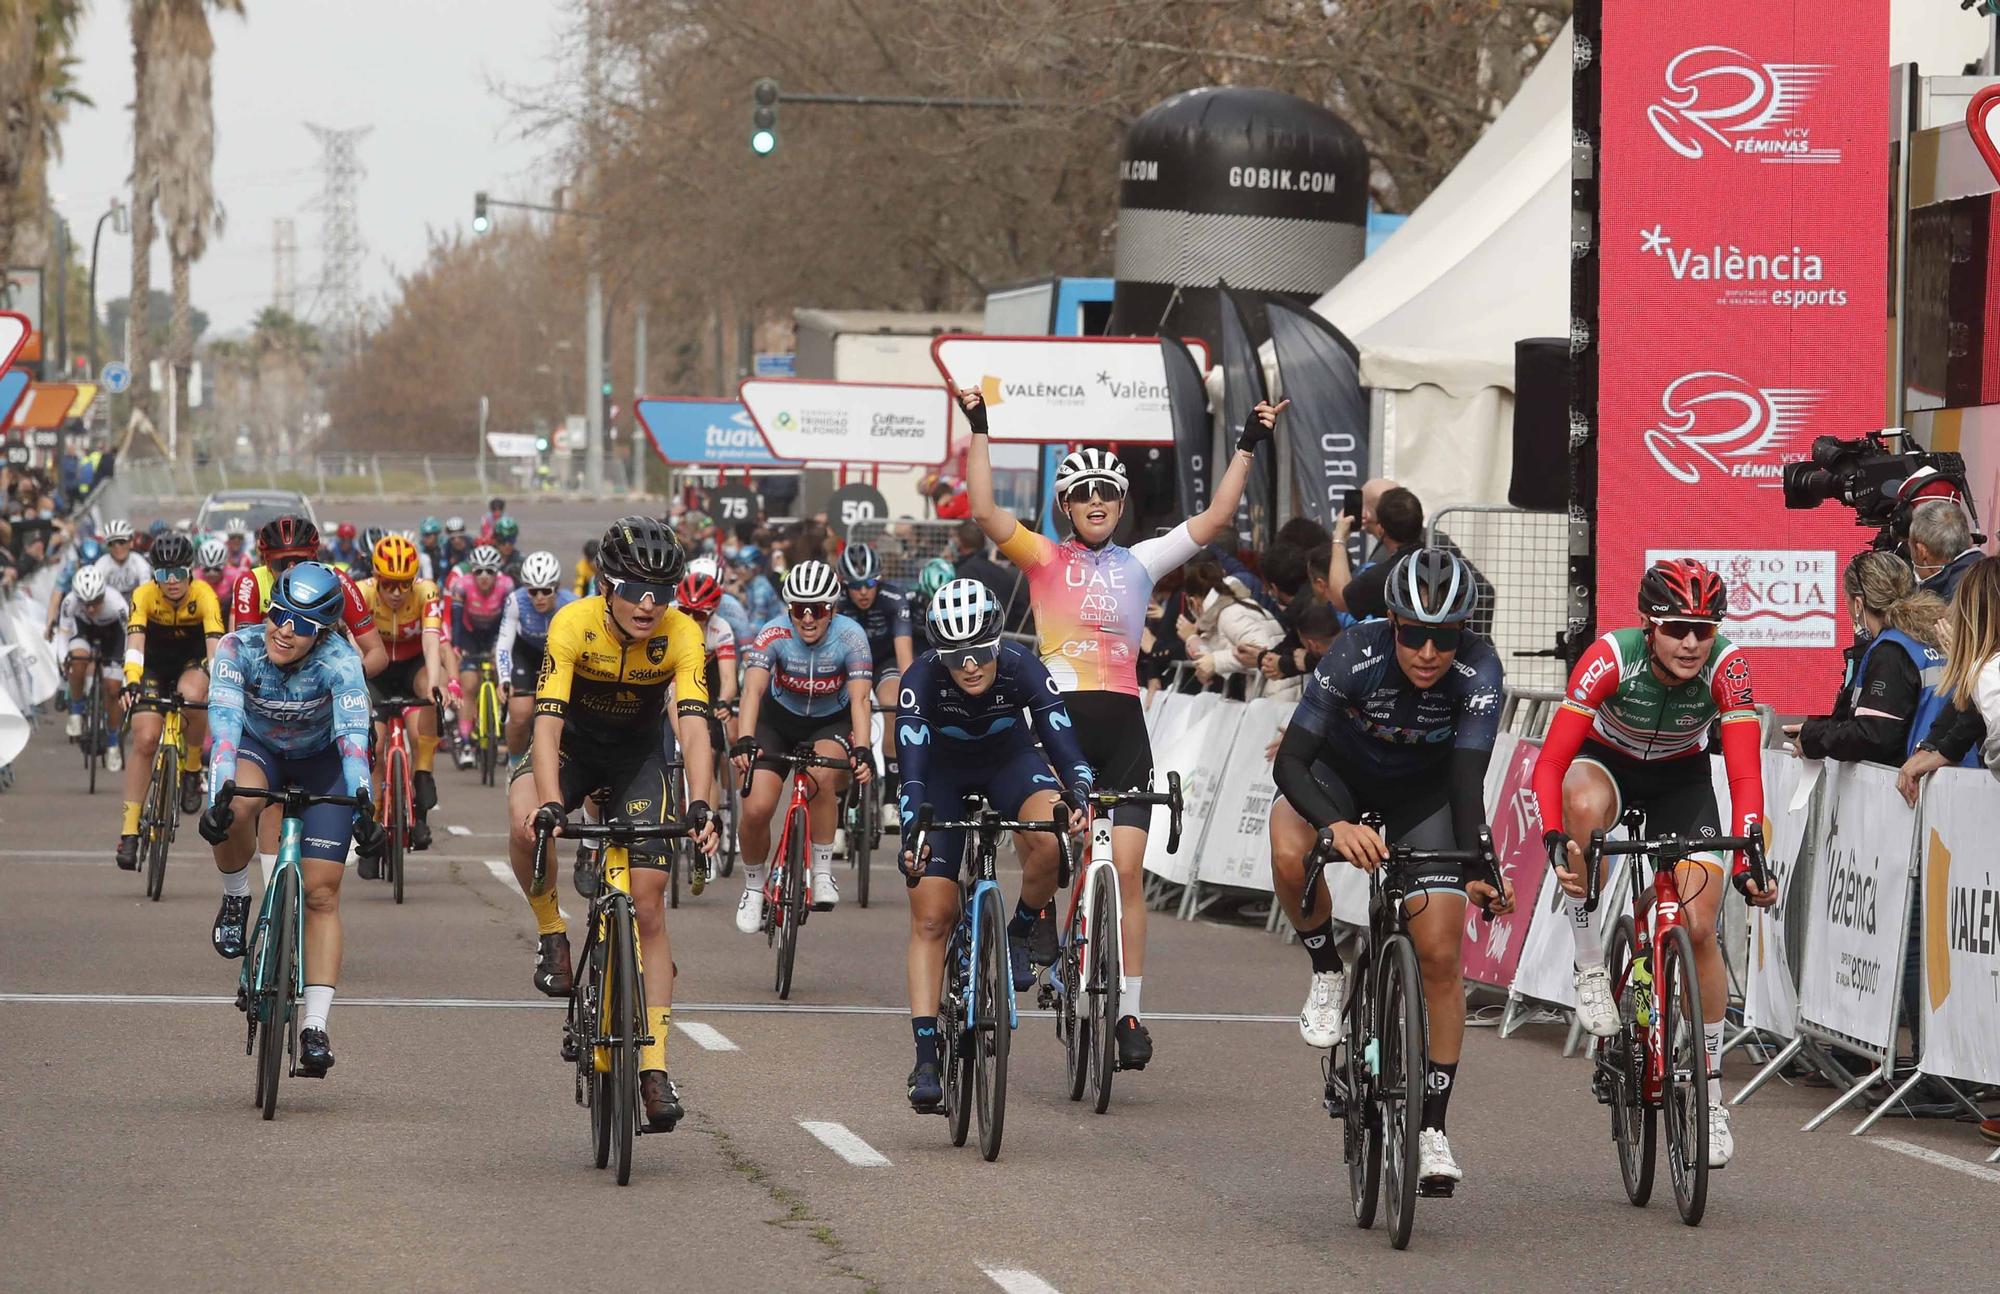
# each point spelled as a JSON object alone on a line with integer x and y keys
{"x": 1633, "y": 730}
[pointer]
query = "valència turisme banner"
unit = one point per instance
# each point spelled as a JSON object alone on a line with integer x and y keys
{"x": 1088, "y": 390}
{"x": 1961, "y": 927}
{"x": 1854, "y": 930}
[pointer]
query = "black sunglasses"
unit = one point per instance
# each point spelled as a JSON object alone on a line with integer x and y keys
{"x": 1700, "y": 630}
{"x": 1093, "y": 492}
{"x": 1443, "y": 637}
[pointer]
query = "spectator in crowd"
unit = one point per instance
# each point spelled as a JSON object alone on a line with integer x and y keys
{"x": 948, "y": 496}
{"x": 973, "y": 561}
{"x": 1941, "y": 546}
{"x": 1972, "y": 651}
{"x": 1160, "y": 646}
{"x": 1894, "y": 679}
{"x": 1225, "y": 616}
{"x": 1399, "y": 521}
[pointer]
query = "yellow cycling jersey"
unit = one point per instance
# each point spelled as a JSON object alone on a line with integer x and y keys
{"x": 184, "y": 624}
{"x": 606, "y": 687}
{"x": 403, "y": 631}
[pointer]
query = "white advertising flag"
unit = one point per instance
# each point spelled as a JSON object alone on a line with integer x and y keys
{"x": 1854, "y": 929}
{"x": 850, "y": 422}
{"x": 1961, "y": 927}
{"x": 1060, "y": 389}
{"x": 1770, "y": 1003}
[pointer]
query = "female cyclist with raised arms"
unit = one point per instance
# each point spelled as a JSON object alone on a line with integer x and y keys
{"x": 1089, "y": 599}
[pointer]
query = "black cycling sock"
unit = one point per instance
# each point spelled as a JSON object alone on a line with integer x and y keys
{"x": 925, "y": 1028}
{"x": 1437, "y": 1093}
{"x": 1319, "y": 947}
{"x": 1024, "y": 919}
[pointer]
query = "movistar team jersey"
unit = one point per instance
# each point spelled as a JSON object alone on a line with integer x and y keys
{"x": 1371, "y": 719}
{"x": 1635, "y": 711}
{"x": 886, "y": 620}
{"x": 810, "y": 680}
{"x": 939, "y": 725}
{"x": 294, "y": 710}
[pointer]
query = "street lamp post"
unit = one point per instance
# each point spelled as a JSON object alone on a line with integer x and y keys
{"x": 116, "y": 214}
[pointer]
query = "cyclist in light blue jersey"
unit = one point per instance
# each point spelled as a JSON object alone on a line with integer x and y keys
{"x": 524, "y": 637}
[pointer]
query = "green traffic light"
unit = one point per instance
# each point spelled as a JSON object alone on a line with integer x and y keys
{"x": 606, "y": 390}
{"x": 541, "y": 444}
{"x": 763, "y": 142}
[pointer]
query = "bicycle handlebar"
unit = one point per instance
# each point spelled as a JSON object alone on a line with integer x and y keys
{"x": 296, "y": 801}
{"x": 1170, "y": 799}
{"x": 617, "y": 831}
{"x": 1665, "y": 847}
{"x": 988, "y": 820}
{"x": 800, "y": 758}
{"x": 1402, "y": 856}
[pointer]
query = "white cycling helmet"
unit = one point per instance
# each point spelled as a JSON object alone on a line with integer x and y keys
{"x": 811, "y": 582}
{"x": 486, "y": 558}
{"x": 213, "y": 555}
{"x": 117, "y": 532}
{"x": 541, "y": 571}
{"x": 88, "y": 584}
{"x": 964, "y": 614}
{"x": 703, "y": 566}
{"x": 1083, "y": 466}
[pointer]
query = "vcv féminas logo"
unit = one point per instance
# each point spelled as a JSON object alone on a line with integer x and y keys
{"x": 1719, "y": 99}
{"x": 1717, "y": 420}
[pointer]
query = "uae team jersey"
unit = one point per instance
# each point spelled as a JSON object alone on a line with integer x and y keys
{"x": 1090, "y": 603}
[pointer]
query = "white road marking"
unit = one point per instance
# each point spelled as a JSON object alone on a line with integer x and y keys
{"x": 705, "y": 1036}
{"x": 457, "y": 830}
{"x": 837, "y": 1138}
{"x": 1016, "y": 1281}
{"x": 1937, "y": 1157}
{"x": 503, "y": 872}
{"x": 75, "y": 857}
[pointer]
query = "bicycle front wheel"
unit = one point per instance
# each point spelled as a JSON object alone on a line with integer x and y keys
{"x": 991, "y": 1027}
{"x": 793, "y": 909}
{"x": 861, "y": 840}
{"x": 274, "y": 993}
{"x": 1361, "y": 1131}
{"x": 1073, "y": 1014}
{"x": 1635, "y": 1126}
{"x": 1106, "y": 971}
{"x": 1684, "y": 1089}
{"x": 627, "y": 1021}
{"x": 592, "y": 1058}
{"x": 166, "y": 791}
{"x": 1400, "y": 1090}
{"x": 398, "y": 822}
{"x": 93, "y": 727}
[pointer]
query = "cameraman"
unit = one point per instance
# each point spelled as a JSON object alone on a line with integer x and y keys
{"x": 1941, "y": 546}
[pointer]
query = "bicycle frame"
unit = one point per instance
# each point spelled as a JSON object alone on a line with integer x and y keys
{"x": 253, "y": 979}
{"x": 801, "y": 790}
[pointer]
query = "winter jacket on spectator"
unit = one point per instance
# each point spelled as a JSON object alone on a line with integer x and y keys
{"x": 1231, "y": 616}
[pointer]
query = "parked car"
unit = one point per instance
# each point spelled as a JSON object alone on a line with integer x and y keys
{"x": 251, "y": 507}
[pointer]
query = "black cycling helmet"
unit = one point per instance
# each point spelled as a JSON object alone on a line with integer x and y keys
{"x": 288, "y": 536}
{"x": 171, "y": 550}
{"x": 641, "y": 548}
{"x": 1432, "y": 586}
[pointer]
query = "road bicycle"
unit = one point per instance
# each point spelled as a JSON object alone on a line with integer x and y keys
{"x": 97, "y": 734}
{"x": 273, "y": 979}
{"x": 1656, "y": 1060}
{"x": 397, "y": 813}
{"x": 489, "y": 725}
{"x": 861, "y": 815}
{"x": 683, "y": 858}
{"x": 1090, "y": 964}
{"x": 726, "y": 811}
{"x": 788, "y": 882}
{"x": 974, "y": 1030}
{"x": 160, "y": 811}
{"x": 604, "y": 1024}
{"x": 1374, "y": 1081}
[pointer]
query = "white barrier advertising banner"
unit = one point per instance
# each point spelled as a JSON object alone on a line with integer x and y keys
{"x": 850, "y": 422}
{"x": 1770, "y": 1003}
{"x": 1237, "y": 849}
{"x": 1854, "y": 929}
{"x": 1054, "y": 389}
{"x": 1548, "y": 958}
{"x": 1198, "y": 752}
{"x": 1961, "y": 897}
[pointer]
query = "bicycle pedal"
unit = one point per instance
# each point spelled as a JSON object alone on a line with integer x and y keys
{"x": 570, "y": 1051}
{"x": 1435, "y": 1188}
{"x": 1335, "y": 1107}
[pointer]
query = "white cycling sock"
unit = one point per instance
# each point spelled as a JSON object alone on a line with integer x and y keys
{"x": 1711, "y": 1041}
{"x": 753, "y": 877}
{"x": 1589, "y": 944}
{"x": 236, "y": 884}
{"x": 822, "y": 859}
{"x": 1128, "y": 1001}
{"x": 319, "y": 1004}
{"x": 269, "y": 862}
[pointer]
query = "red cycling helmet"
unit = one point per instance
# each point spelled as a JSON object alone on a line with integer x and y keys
{"x": 289, "y": 536}
{"x": 1681, "y": 588}
{"x": 345, "y": 530}
{"x": 698, "y": 591}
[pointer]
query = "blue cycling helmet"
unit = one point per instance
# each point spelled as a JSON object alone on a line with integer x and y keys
{"x": 311, "y": 592}
{"x": 89, "y": 550}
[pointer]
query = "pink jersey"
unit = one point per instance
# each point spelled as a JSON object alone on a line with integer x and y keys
{"x": 479, "y": 613}
{"x": 1090, "y": 603}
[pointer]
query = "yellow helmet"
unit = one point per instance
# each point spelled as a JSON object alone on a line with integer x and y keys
{"x": 395, "y": 559}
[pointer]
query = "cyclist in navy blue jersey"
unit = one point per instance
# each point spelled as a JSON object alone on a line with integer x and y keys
{"x": 883, "y": 612}
{"x": 961, "y": 726}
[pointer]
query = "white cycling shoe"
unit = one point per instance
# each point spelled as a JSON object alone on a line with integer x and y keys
{"x": 74, "y": 726}
{"x": 750, "y": 908}
{"x": 1434, "y": 1161}
{"x": 1319, "y": 1018}
{"x": 1721, "y": 1143}
{"x": 1595, "y": 1010}
{"x": 826, "y": 895}
{"x": 114, "y": 759}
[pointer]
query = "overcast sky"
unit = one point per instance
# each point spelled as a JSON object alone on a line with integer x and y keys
{"x": 418, "y": 71}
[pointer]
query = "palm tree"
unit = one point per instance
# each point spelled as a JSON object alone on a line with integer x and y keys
{"x": 37, "y": 90}
{"x": 173, "y": 159}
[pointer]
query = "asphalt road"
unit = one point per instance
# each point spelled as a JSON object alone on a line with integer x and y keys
{"x": 445, "y": 1152}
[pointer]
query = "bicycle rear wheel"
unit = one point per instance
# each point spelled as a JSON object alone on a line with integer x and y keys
{"x": 861, "y": 839}
{"x": 1635, "y": 1126}
{"x": 793, "y": 909}
{"x": 1399, "y": 1094}
{"x": 1072, "y": 1016}
{"x": 275, "y": 993}
{"x": 394, "y": 853}
{"x": 1684, "y": 1090}
{"x": 727, "y": 827}
{"x": 1360, "y": 1130}
{"x": 1106, "y": 968}
{"x": 166, "y": 790}
{"x": 991, "y": 1027}
{"x": 591, "y": 1058}
{"x": 627, "y": 1020}
{"x": 93, "y": 727}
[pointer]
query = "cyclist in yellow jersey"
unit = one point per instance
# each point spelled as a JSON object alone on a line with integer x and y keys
{"x": 409, "y": 615}
{"x": 175, "y": 623}
{"x": 608, "y": 664}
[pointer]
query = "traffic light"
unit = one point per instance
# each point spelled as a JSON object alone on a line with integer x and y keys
{"x": 541, "y": 444}
{"x": 480, "y": 222}
{"x": 764, "y": 117}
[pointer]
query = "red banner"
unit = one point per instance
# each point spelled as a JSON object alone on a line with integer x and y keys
{"x": 1492, "y": 949}
{"x": 1743, "y": 244}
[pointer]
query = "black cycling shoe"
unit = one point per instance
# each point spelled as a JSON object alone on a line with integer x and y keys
{"x": 127, "y": 857}
{"x": 584, "y": 875}
{"x": 552, "y": 972}
{"x": 1042, "y": 950}
{"x": 315, "y": 1055}
{"x": 926, "y": 1089}
{"x": 191, "y": 793}
{"x": 368, "y": 867}
{"x": 424, "y": 789}
{"x": 1135, "y": 1044}
{"x": 661, "y": 1099}
{"x": 1017, "y": 957}
{"x": 420, "y": 835}
{"x": 228, "y": 935}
